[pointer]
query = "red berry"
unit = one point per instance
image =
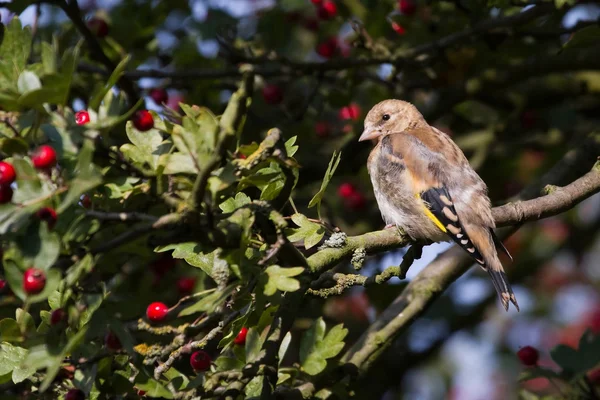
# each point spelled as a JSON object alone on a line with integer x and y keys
{"x": 48, "y": 214}
{"x": 407, "y": 7}
{"x": 82, "y": 117}
{"x": 6, "y": 194}
{"x": 57, "y": 316}
{"x": 356, "y": 201}
{"x": 2, "y": 284}
{"x": 44, "y": 157}
{"x": 159, "y": 96}
{"x": 346, "y": 190}
{"x": 7, "y": 173}
{"x": 200, "y": 360}
{"x": 322, "y": 129}
{"x": 399, "y": 29}
{"x": 75, "y": 394}
{"x": 141, "y": 392}
{"x": 272, "y": 94}
{"x": 317, "y": 2}
{"x": 143, "y": 120}
{"x": 327, "y": 48}
{"x": 34, "y": 281}
{"x": 98, "y": 26}
{"x": 351, "y": 111}
{"x": 528, "y": 355}
{"x": 241, "y": 336}
{"x": 328, "y": 10}
{"x": 112, "y": 342}
{"x": 186, "y": 285}
{"x": 86, "y": 201}
{"x": 157, "y": 311}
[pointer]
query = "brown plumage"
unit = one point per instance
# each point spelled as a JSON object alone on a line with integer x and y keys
{"x": 424, "y": 184}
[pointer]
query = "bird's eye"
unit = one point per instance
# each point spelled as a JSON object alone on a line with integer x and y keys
{"x": 385, "y": 117}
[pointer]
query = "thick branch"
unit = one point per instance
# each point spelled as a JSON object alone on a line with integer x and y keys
{"x": 437, "y": 276}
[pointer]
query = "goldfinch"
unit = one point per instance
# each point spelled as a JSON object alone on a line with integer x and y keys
{"x": 424, "y": 184}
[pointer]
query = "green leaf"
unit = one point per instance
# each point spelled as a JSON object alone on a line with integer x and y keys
{"x": 281, "y": 279}
{"x": 87, "y": 177}
{"x": 145, "y": 150}
{"x": 28, "y": 182}
{"x": 290, "y": 146}
{"x": 316, "y": 347}
{"x": 11, "y": 360}
{"x": 254, "y": 388}
{"x": 10, "y": 331}
{"x": 566, "y": 357}
{"x": 253, "y": 346}
{"x": 15, "y": 48}
{"x": 585, "y": 37}
{"x": 538, "y": 372}
{"x": 39, "y": 246}
{"x": 333, "y": 164}
{"x": 25, "y": 322}
{"x": 28, "y": 82}
{"x": 311, "y": 232}
{"x": 208, "y": 303}
{"x": 232, "y": 204}
{"x": 283, "y": 348}
{"x": 112, "y": 81}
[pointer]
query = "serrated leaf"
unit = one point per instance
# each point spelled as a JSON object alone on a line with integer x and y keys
{"x": 318, "y": 197}
{"x": 25, "y": 322}
{"x": 281, "y": 279}
{"x": 39, "y": 246}
{"x": 11, "y": 360}
{"x": 15, "y": 48}
{"x": 566, "y": 357}
{"x": 290, "y": 146}
{"x": 232, "y": 204}
{"x": 9, "y": 330}
{"x": 207, "y": 303}
{"x": 311, "y": 232}
{"x": 316, "y": 347}
{"x": 145, "y": 151}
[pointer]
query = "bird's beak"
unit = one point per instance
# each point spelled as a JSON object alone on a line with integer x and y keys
{"x": 369, "y": 133}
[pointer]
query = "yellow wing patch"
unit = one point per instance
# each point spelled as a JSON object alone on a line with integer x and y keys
{"x": 430, "y": 215}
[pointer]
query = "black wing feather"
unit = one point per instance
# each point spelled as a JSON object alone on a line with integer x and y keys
{"x": 440, "y": 204}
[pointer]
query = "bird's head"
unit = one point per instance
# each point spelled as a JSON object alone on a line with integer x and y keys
{"x": 390, "y": 116}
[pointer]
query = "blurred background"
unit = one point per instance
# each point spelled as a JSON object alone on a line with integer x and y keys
{"x": 516, "y": 97}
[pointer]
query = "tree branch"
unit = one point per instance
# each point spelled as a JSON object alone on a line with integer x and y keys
{"x": 437, "y": 276}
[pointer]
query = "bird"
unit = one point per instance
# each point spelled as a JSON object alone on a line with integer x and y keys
{"x": 424, "y": 184}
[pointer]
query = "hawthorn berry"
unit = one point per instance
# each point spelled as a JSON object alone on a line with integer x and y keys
{"x": 75, "y": 394}
{"x": 200, "y": 360}
{"x": 82, "y": 117}
{"x": 327, "y": 10}
{"x": 7, "y": 173}
{"x": 98, "y": 26}
{"x": 528, "y": 119}
{"x": 157, "y": 311}
{"x": 317, "y": 2}
{"x": 407, "y": 7}
{"x": 44, "y": 157}
{"x": 241, "y": 336}
{"x": 528, "y": 356}
{"x": 34, "y": 280}
{"x": 312, "y": 24}
{"x": 49, "y": 215}
{"x": 6, "y": 194}
{"x": 57, "y": 316}
{"x": 86, "y": 201}
{"x": 322, "y": 129}
{"x": 350, "y": 112}
{"x": 159, "y": 95}
{"x": 272, "y": 94}
{"x": 185, "y": 285}
{"x": 112, "y": 342}
{"x": 2, "y": 284}
{"x": 143, "y": 120}
{"x": 327, "y": 48}
{"x": 399, "y": 29}
{"x": 345, "y": 190}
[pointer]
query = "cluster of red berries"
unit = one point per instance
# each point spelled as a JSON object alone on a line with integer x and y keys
{"x": 142, "y": 120}
{"x": 353, "y": 199}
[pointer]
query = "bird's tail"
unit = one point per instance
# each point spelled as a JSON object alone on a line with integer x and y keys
{"x": 501, "y": 284}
